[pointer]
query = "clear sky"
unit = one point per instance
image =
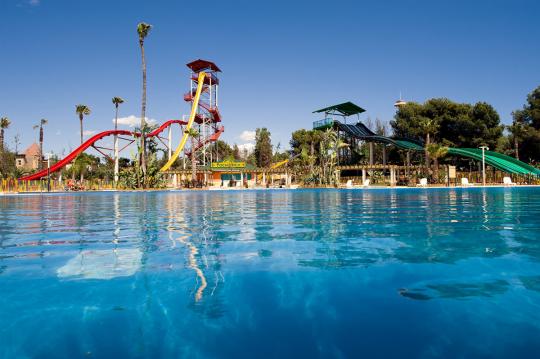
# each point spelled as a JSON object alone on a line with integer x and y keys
{"x": 280, "y": 59}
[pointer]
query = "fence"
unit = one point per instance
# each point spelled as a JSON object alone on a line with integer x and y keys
{"x": 12, "y": 185}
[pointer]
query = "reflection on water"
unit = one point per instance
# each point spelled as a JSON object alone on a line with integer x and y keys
{"x": 245, "y": 260}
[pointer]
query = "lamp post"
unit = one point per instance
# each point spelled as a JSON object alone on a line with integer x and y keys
{"x": 484, "y": 148}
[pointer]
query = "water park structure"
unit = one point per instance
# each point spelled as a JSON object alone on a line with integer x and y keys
{"x": 355, "y": 133}
{"x": 203, "y": 126}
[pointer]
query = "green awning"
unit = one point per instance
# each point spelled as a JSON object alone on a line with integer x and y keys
{"x": 344, "y": 109}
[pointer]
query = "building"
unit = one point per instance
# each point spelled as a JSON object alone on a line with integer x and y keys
{"x": 227, "y": 173}
{"x": 29, "y": 159}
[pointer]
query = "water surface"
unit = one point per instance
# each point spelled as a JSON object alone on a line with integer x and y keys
{"x": 256, "y": 274}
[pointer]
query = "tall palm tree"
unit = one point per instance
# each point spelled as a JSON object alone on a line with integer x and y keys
{"x": 4, "y": 124}
{"x": 517, "y": 129}
{"x": 42, "y": 123}
{"x": 82, "y": 110}
{"x": 193, "y": 134}
{"x": 428, "y": 127}
{"x": 143, "y": 29}
{"x": 116, "y": 101}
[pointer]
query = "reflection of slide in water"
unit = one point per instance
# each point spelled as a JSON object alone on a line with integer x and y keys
{"x": 193, "y": 251}
{"x": 102, "y": 264}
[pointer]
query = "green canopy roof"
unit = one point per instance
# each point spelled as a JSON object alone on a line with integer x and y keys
{"x": 344, "y": 109}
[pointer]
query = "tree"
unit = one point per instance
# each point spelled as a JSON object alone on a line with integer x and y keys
{"x": 428, "y": 127}
{"x": 143, "y": 29}
{"x": 263, "y": 147}
{"x": 436, "y": 151}
{"x": 306, "y": 143}
{"x": 525, "y": 128}
{"x": 82, "y": 110}
{"x": 42, "y": 123}
{"x": 193, "y": 134}
{"x": 4, "y": 124}
{"x": 517, "y": 133}
{"x": 330, "y": 145}
{"x": 236, "y": 152}
{"x": 459, "y": 124}
{"x": 116, "y": 102}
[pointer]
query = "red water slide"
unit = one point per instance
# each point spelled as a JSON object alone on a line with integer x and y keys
{"x": 90, "y": 142}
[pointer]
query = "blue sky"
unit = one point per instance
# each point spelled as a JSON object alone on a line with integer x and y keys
{"x": 280, "y": 59}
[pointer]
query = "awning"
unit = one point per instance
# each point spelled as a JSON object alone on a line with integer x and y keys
{"x": 344, "y": 109}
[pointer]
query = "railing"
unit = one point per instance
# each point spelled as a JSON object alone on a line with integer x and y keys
{"x": 326, "y": 122}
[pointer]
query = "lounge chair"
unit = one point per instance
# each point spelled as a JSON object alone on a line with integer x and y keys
{"x": 507, "y": 181}
{"x": 349, "y": 184}
{"x": 366, "y": 183}
{"x": 423, "y": 182}
{"x": 465, "y": 182}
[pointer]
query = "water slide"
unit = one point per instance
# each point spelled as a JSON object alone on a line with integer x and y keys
{"x": 65, "y": 161}
{"x": 181, "y": 145}
{"x": 90, "y": 142}
{"x": 213, "y": 138}
{"x": 494, "y": 159}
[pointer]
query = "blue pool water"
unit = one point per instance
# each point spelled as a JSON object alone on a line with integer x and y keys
{"x": 271, "y": 274}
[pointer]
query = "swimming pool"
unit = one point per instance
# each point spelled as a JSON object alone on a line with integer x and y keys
{"x": 271, "y": 273}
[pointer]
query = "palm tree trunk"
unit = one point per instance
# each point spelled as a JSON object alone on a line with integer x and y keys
{"x": 2, "y": 140}
{"x": 116, "y": 147}
{"x": 143, "y": 115}
{"x": 40, "y": 160}
{"x": 311, "y": 154}
{"x": 516, "y": 146}
{"x": 80, "y": 121}
{"x": 193, "y": 162}
{"x": 436, "y": 169}
{"x": 426, "y": 152}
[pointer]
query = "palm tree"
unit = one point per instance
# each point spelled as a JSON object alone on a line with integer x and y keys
{"x": 517, "y": 129}
{"x": 42, "y": 123}
{"x": 436, "y": 151}
{"x": 193, "y": 134}
{"x": 4, "y": 124}
{"x": 116, "y": 101}
{"x": 82, "y": 110}
{"x": 428, "y": 126}
{"x": 143, "y": 29}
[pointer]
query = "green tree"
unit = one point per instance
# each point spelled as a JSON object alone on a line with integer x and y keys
{"x": 82, "y": 110}
{"x": 428, "y": 127}
{"x": 263, "y": 147}
{"x": 4, "y": 124}
{"x": 436, "y": 152}
{"x": 236, "y": 152}
{"x": 525, "y": 128}
{"x": 306, "y": 143}
{"x": 143, "y": 29}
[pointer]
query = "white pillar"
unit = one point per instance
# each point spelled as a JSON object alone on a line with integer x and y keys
{"x": 363, "y": 176}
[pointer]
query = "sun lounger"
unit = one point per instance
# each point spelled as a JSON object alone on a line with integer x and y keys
{"x": 423, "y": 182}
{"x": 507, "y": 181}
{"x": 465, "y": 182}
{"x": 366, "y": 183}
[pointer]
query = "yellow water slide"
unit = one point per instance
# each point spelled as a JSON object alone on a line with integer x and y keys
{"x": 189, "y": 124}
{"x": 275, "y": 165}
